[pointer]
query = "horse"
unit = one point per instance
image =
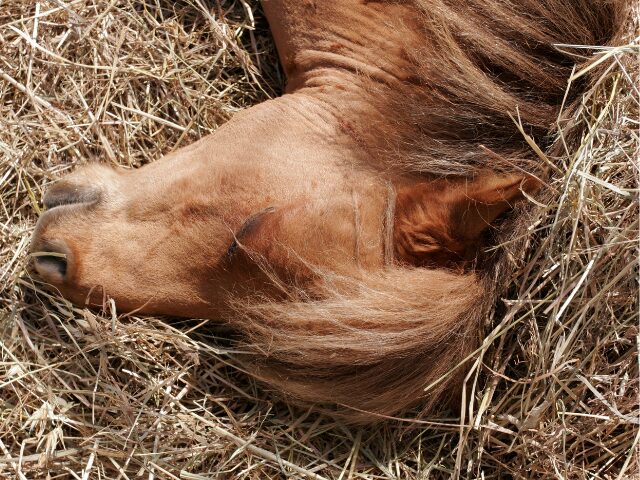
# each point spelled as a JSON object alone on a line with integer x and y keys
{"x": 357, "y": 230}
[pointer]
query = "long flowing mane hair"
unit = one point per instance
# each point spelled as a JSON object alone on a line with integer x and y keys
{"x": 489, "y": 79}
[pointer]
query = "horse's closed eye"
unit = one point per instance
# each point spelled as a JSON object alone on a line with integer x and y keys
{"x": 249, "y": 226}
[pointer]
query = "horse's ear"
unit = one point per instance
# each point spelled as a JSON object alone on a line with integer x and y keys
{"x": 443, "y": 223}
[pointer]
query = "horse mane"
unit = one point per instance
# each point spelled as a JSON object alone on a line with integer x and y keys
{"x": 483, "y": 66}
{"x": 384, "y": 342}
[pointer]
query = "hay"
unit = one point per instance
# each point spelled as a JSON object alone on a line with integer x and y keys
{"x": 554, "y": 390}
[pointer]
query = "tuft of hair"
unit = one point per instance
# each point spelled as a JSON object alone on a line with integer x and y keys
{"x": 488, "y": 75}
{"x": 372, "y": 345}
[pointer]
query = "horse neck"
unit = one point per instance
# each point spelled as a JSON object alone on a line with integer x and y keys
{"x": 342, "y": 42}
{"x": 350, "y": 56}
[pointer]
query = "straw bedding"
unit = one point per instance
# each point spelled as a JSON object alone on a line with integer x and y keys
{"x": 553, "y": 390}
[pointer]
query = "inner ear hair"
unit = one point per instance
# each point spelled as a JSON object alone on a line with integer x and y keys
{"x": 443, "y": 223}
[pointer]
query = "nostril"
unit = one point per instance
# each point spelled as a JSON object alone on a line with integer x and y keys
{"x": 51, "y": 261}
{"x": 51, "y": 266}
{"x": 67, "y": 194}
